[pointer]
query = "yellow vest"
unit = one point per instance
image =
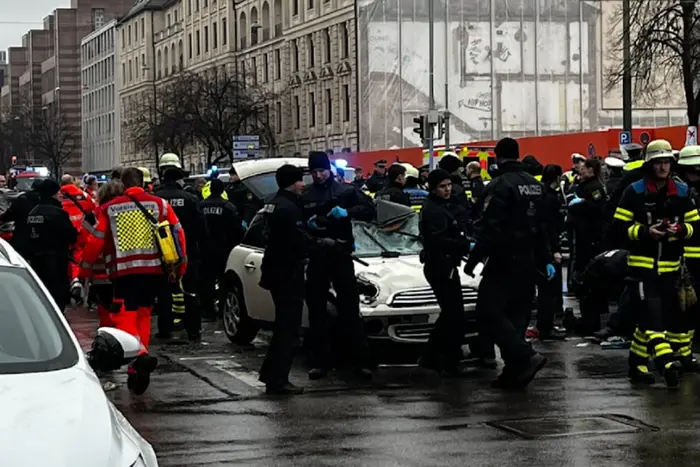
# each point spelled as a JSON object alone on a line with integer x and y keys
{"x": 538, "y": 178}
{"x": 206, "y": 192}
{"x": 633, "y": 165}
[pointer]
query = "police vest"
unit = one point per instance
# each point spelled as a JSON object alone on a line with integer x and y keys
{"x": 206, "y": 192}
{"x": 633, "y": 165}
{"x": 417, "y": 197}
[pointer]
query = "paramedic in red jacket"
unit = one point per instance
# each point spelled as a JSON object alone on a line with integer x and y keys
{"x": 76, "y": 203}
{"x": 125, "y": 237}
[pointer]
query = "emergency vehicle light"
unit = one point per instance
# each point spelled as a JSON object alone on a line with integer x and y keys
{"x": 341, "y": 163}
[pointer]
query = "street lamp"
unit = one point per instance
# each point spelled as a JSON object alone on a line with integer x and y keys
{"x": 144, "y": 69}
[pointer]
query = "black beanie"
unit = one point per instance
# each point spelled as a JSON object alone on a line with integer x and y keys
{"x": 48, "y": 188}
{"x": 319, "y": 160}
{"x": 450, "y": 163}
{"x": 288, "y": 175}
{"x": 507, "y": 148}
{"x": 436, "y": 177}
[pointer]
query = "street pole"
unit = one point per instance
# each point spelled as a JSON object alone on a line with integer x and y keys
{"x": 626, "y": 72}
{"x": 447, "y": 78}
{"x": 431, "y": 74}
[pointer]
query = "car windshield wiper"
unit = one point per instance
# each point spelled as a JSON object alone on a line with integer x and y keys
{"x": 386, "y": 253}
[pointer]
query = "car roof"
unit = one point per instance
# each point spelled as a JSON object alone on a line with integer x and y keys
{"x": 9, "y": 257}
{"x": 247, "y": 169}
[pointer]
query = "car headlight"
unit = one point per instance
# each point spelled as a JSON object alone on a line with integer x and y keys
{"x": 368, "y": 290}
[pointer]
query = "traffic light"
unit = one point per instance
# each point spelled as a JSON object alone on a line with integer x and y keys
{"x": 442, "y": 121}
{"x": 420, "y": 129}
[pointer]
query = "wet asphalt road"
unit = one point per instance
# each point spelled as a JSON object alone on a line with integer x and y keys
{"x": 205, "y": 407}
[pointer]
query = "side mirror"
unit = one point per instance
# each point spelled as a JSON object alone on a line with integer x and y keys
{"x": 112, "y": 348}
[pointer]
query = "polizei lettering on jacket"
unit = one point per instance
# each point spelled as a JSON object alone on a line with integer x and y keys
{"x": 530, "y": 190}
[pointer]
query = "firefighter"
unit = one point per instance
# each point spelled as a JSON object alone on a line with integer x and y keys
{"x": 394, "y": 191}
{"x": 379, "y": 179}
{"x": 50, "y": 236}
{"x": 689, "y": 170}
{"x": 416, "y": 194}
{"x": 655, "y": 218}
{"x": 513, "y": 246}
{"x": 224, "y": 231}
{"x": 445, "y": 244}
{"x": 185, "y": 300}
{"x": 147, "y": 180}
{"x": 329, "y": 208}
{"x": 124, "y": 236}
{"x": 80, "y": 207}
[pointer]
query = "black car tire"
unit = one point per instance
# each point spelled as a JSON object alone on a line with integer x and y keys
{"x": 238, "y": 326}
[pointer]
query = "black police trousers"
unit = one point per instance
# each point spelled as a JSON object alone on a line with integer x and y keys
{"x": 504, "y": 306}
{"x": 550, "y": 300}
{"x": 212, "y": 271}
{"x": 180, "y": 307}
{"x": 335, "y": 269}
{"x": 53, "y": 272}
{"x": 660, "y": 321}
{"x": 445, "y": 344}
{"x": 288, "y": 297}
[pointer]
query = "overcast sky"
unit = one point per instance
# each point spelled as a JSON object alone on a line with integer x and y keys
{"x": 19, "y": 16}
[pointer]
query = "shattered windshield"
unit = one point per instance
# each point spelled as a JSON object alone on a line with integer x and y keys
{"x": 400, "y": 239}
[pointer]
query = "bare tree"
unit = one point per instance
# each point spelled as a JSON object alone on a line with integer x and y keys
{"x": 665, "y": 50}
{"x": 49, "y": 136}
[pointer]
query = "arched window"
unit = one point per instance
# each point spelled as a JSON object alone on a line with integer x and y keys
{"x": 265, "y": 21}
{"x": 243, "y": 31}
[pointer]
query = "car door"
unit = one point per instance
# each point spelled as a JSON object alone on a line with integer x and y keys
{"x": 247, "y": 261}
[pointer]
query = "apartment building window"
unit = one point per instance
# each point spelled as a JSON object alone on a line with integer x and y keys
{"x": 123, "y": 39}
{"x": 278, "y": 116}
{"x": 206, "y": 39}
{"x": 311, "y": 4}
{"x": 123, "y": 73}
{"x": 329, "y": 107}
{"x": 327, "y": 45}
{"x": 346, "y": 103}
{"x": 310, "y": 50}
{"x": 297, "y": 113}
{"x": 243, "y": 72}
{"x": 224, "y": 32}
{"x": 143, "y": 63}
{"x": 196, "y": 38}
{"x": 254, "y": 65}
{"x": 345, "y": 41}
{"x": 295, "y": 56}
{"x": 175, "y": 15}
{"x": 136, "y": 33}
{"x": 131, "y": 74}
{"x": 204, "y": 5}
{"x": 143, "y": 28}
{"x": 98, "y": 18}
{"x": 278, "y": 64}
{"x": 214, "y": 36}
{"x": 129, "y": 35}
{"x": 189, "y": 46}
{"x": 136, "y": 68}
{"x": 266, "y": 68}
{"x": 169, "y": 23}
{"x": 196, "y": 5}
{"x": 295, "y": 7}
{"x": 189, "y": 7}
{"x": 312, "y": 110}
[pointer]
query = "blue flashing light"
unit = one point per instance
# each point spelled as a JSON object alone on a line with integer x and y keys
{"x": 214, "y": 168}
{"x": 103, "y": 177}
{"x": 341, "y": 163}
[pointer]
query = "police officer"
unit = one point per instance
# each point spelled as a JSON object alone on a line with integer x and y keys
{"x": 378, "y": 180}
{"x": 18, "y": 212}
{"x": 416, "y": 194}
{"x": 571, "y": 176}
{"x": 359, "y": 179}
{"x": 587, "y": 215}
{"x": 394, "y": 191}
{"x": 444, "y": 245}
{"x": 50, "y": 234}
{"x": 330, "y": 207}
{"x": 631, "y": 172}
{"x": 513, "y": 246}
{"x": 187, "y": 209}
{"x": 452, "y": 165}
{"x": 241, "y": 197}
{"x": 655, "y": 218}
{"x": 474, "y": 188}
{"x": 224, "y": 231}
{"x": 288, "y": 245}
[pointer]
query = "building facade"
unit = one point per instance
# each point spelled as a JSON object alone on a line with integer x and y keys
{"x": 3, "y": 67}
{"x": 302, "y": 51}
{"x": 99, "y": 79}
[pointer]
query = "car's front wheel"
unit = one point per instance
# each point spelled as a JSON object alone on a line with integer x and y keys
{"x": 238, "y": 326}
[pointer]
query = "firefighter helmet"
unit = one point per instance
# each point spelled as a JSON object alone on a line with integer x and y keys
{"x": 146, "y": 174}
{"x": 170, "y": 160}
{"x": 658, "y": 149}
{"x": 689, "y": 155}
{"x": 410, "y": 170}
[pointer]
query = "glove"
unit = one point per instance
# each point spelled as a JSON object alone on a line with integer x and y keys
{"x": 313, "y": 223}
{"x": 244, "y": 224}
{"x": 575, "y": 201}
{"x": 551, "y": 272}
{"x": 338, "y": 212}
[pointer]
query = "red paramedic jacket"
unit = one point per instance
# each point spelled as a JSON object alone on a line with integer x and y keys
{"x": 125, "y": 237}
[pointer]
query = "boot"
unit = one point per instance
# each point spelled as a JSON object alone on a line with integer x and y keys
{"x": 672, "y": 373}
{"x": 140, "y": 373}
{"x": 641, "y": 374}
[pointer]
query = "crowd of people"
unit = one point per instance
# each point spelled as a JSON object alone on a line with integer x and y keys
{"x": 630, "y": 225}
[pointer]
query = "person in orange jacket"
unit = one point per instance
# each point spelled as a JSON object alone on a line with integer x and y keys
{"x": 92, "y": 187}
{"x": 124, "y": 235}
{"x": 79, "y": 206}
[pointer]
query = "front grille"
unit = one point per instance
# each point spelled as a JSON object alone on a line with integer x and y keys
{"x": 424, "y": 296}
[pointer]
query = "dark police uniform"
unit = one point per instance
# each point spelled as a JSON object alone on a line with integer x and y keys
{"x": 50, "y": 234}
{"x": 288, "y": 245}
{"x": 335, "y": 267}
{"x": 376, "y": 182}
{"x": 444, "y": 245}
{"x": 587, "y": 219}
{"x": 474, "y": 189}
{"x": 224, "y": 230}
{"x": 187, "y": 208}
{"x": 394, "y": 192}
{"x": 18, "y": 212}
{"x": 653, "y": 269}
{"x": 513, "y": 247}
{"x": 241, "y": 197}
{"x": 416, "y": 197}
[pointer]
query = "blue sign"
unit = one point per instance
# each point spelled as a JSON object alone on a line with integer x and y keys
{"x": 246, "y": 146}
{"x": 625, "y": 137}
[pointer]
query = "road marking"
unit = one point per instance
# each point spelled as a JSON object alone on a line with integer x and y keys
{"x": 233, "y": 369}
{"x": 206, "y": 357}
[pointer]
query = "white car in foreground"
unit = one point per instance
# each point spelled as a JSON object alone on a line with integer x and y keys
{"x": 53, "y": 409}
{"x": 396, "y": 302}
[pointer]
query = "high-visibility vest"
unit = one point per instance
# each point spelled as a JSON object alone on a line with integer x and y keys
{"x": 206, "y": 192}
{"x": 633, "y": 165}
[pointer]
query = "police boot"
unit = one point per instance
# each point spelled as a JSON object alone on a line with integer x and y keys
{"x": 641, "y": 374}
{"x": 672, "y": 373}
